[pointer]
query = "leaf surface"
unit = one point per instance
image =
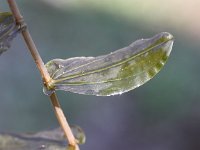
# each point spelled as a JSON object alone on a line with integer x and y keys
{"x": 114, "y": 73}
{"x": 8, "y": 30}
{"x": 44, "y": 140}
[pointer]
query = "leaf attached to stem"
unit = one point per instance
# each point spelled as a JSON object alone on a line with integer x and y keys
{"x": 115, "y": 73}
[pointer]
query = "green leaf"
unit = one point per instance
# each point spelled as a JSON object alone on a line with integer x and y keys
{"x": 78, "y": 133}
{"x": 115, "y": 73}
{"x": 8, "y": 30}
{"x": 43, "y": 140}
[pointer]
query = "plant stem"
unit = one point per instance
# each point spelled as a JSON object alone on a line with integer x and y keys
{"x": 43, "y": 71}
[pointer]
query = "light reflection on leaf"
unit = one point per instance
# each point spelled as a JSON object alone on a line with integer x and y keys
{"x": 115, "y": 73}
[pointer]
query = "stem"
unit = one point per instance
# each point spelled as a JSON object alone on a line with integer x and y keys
{"x": 62, "y": 120}
{"x": 43, "y": 71}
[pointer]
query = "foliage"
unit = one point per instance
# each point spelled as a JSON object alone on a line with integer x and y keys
{"x": 115, "y": 73}
{"x": 8, "y": 30}
{"x": 48, "y": 140}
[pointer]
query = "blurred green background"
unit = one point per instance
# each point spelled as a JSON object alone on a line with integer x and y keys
{"x": 161, "y": 115}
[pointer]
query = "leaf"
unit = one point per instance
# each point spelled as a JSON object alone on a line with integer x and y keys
{"x": 79, "y": 134}
{"x": 115, "y": 73}
{"x": 8, "y": 30}
{"x": 43, "y": 140}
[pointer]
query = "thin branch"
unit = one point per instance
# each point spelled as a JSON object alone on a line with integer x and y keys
{"x": 29, "y": 42}
{"x": 62, "y": 120}
{"x": 43, "y": 71}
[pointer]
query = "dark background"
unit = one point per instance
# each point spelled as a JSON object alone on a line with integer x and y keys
{"x": 161, "y": 115}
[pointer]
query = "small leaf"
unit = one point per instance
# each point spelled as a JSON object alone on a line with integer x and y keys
{"x": 8, "y": 30}
{"x": 115, "y": 73}
{"x": 78, "y": 134}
